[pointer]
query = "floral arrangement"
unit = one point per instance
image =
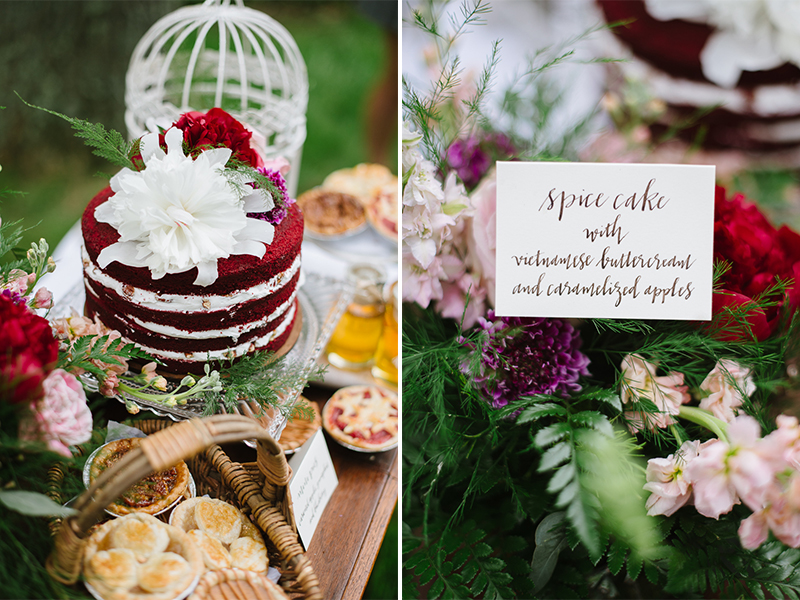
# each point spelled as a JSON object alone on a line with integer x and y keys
{"x": 555, "y": 458}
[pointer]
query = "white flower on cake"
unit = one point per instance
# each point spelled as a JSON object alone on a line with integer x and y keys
{"x": 179, "y": 213}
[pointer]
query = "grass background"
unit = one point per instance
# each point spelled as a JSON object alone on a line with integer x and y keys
{"x": 72, "y": 56}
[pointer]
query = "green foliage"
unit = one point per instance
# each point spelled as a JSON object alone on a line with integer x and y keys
{"x": 109, "y": 145}
{"x": 85, "y": 352}
{"x": 263, "y": 378}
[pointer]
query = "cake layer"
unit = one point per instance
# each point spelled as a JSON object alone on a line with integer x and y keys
{"x": 235, "y": 273}
{"x": 251, "y": 306}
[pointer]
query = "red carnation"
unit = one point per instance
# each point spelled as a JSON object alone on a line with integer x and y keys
{"x": 215, "y": 129}
{"x": 28, "y": 352}
{"x": 759, "y": 255}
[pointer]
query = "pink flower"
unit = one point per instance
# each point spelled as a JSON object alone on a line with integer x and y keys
{"x": 714, "y": 493}
{"x": 43, "y": 299}
{"x": 279, "y": 164}
{"x": 109, "y": 385}
{"x": 639, "y": 382}
{"x": 727, "y": 385}
{"x": 61, "y": 418}
{"x": 483, "y": 232}
{"x": 454, "y": 299}
{"x": 753, "y": 531}
{"x": 19, "y": 281}
{"x": 669, "y": 489}
{"x": 421, "y": 285}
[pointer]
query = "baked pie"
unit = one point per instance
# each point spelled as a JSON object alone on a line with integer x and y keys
{"x": 360, "y": 181}
{"x": 331, "y": 213}
{"x": 153, "y": 494}
{"x": 362, "y": 416}
{"x": 382, "y": 209}
{"x": 137, "y": 557}
{"x": 225, "y": 536}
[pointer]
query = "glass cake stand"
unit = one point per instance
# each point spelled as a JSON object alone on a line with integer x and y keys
{"x": 322, "y": 300}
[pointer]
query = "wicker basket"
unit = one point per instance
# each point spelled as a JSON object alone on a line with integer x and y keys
{"x": 259, "y": 489}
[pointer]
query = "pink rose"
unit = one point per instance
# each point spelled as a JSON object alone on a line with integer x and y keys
{"x": 483, "y": 232}
{"x": 727, "y": 385}
{"x": 61, "y": 418}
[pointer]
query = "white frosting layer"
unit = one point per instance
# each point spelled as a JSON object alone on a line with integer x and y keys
{"x": 776, "y": 100}
{"x": 176, "y": 303}
{"x": 231, "y": 332}
{"x": 234, "y": 351}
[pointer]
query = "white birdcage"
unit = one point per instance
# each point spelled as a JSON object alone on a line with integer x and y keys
{"x": 222, "y": 54}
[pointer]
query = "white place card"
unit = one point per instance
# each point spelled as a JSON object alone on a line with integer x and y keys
{"x": 604, "y": 240}
{"x": 312, "y": 484}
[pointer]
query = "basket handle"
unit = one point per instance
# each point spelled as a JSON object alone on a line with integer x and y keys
{"x": 157, "y": 452}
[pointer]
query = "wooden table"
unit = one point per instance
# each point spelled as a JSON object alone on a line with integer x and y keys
{"x": 352, "y": 527}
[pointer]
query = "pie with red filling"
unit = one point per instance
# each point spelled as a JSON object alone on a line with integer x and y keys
{"x": 364, "y": 416}
{"x": 382, "y": 210}
{"x": 151, "y": 495}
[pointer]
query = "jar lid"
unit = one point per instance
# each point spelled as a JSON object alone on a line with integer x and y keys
{"x": 368, "y": 281}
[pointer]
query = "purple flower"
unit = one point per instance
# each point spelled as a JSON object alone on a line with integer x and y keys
{"x": 279, "y": 212}
{"x": 524, "y": 357}
{"x": 472, "y": 158}
{"x": 13, "y": 296}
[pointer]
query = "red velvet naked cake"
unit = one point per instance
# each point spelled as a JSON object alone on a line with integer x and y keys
{"x": 189, "y": 265}
{"x": 738, "y": 61}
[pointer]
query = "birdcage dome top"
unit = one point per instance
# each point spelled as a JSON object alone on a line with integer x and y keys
{"x": 220, "y": 54}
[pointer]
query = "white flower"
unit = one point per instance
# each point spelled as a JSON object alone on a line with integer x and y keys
{"x": 423, "y": 187}
{"x": 180, "y": 213}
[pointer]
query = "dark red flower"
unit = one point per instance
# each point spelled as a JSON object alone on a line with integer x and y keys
{"x": 216, "y": 129}
{"x": 28, "y": 352}
{"x": 759, "y": 255}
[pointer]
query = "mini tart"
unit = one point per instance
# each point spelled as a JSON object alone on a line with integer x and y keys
{"x": 360, "y": 181}
{"x": 362, "y": 416}
{"x": 153, "y": 494}
{"x": 118, "y": 574}
{"x": 382, "y": 210}
{"x": 331, "y": 213}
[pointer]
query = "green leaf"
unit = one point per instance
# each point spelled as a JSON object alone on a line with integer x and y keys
{"x": 436, "y": 589}
{"x": 552, "y": 433}
{"x": 533, "y": 413}
{"x": 551, "y": 539}
{"x": 480, "y": 583}
{"x": 415, "y": 560}
{"x": 594, "y": 420}
{"x": 561, "y": 478}
{"x": 634, "y": 566}
{"x": 616, "y": 556}
{"x": 426, "y": 573}
{"x": 555, "y": 455}
{"x": 34, "y": 504}
{"x": 584, "y": 527}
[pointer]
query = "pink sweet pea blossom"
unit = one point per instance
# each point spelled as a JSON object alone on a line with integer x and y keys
{"x": 714, "y": 493}
{"x": 639, "y": 382}
{"x": 727, "y": 385}
{"x": 18, "y": 281}
{"x": 483, "y": 232}
{"x": 43, "y": 299}
{"x": 61, "y": 418}
{"x": 668, "y": 487}
{"x": 753, "y": 531}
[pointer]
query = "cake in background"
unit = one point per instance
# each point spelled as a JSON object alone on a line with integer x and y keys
{"x": 727, "y": 72}
{"x": 194, "y": 253}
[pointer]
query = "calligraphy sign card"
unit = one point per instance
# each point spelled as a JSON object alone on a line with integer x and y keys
{"x": 312, "y": 485}
{"x": 604, "y": 240}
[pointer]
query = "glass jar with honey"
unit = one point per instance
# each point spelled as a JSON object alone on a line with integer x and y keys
{"x": 386, "y": 354}
{"x": 353, "y": 343}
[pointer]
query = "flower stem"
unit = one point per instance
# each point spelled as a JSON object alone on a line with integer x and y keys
{"x": 706, "y": 419}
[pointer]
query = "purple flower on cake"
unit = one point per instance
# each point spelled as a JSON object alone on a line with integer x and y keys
{"x": 180, "y": 213}
{"x": 520, "y": 357}
{"x": 280, "y": 210}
